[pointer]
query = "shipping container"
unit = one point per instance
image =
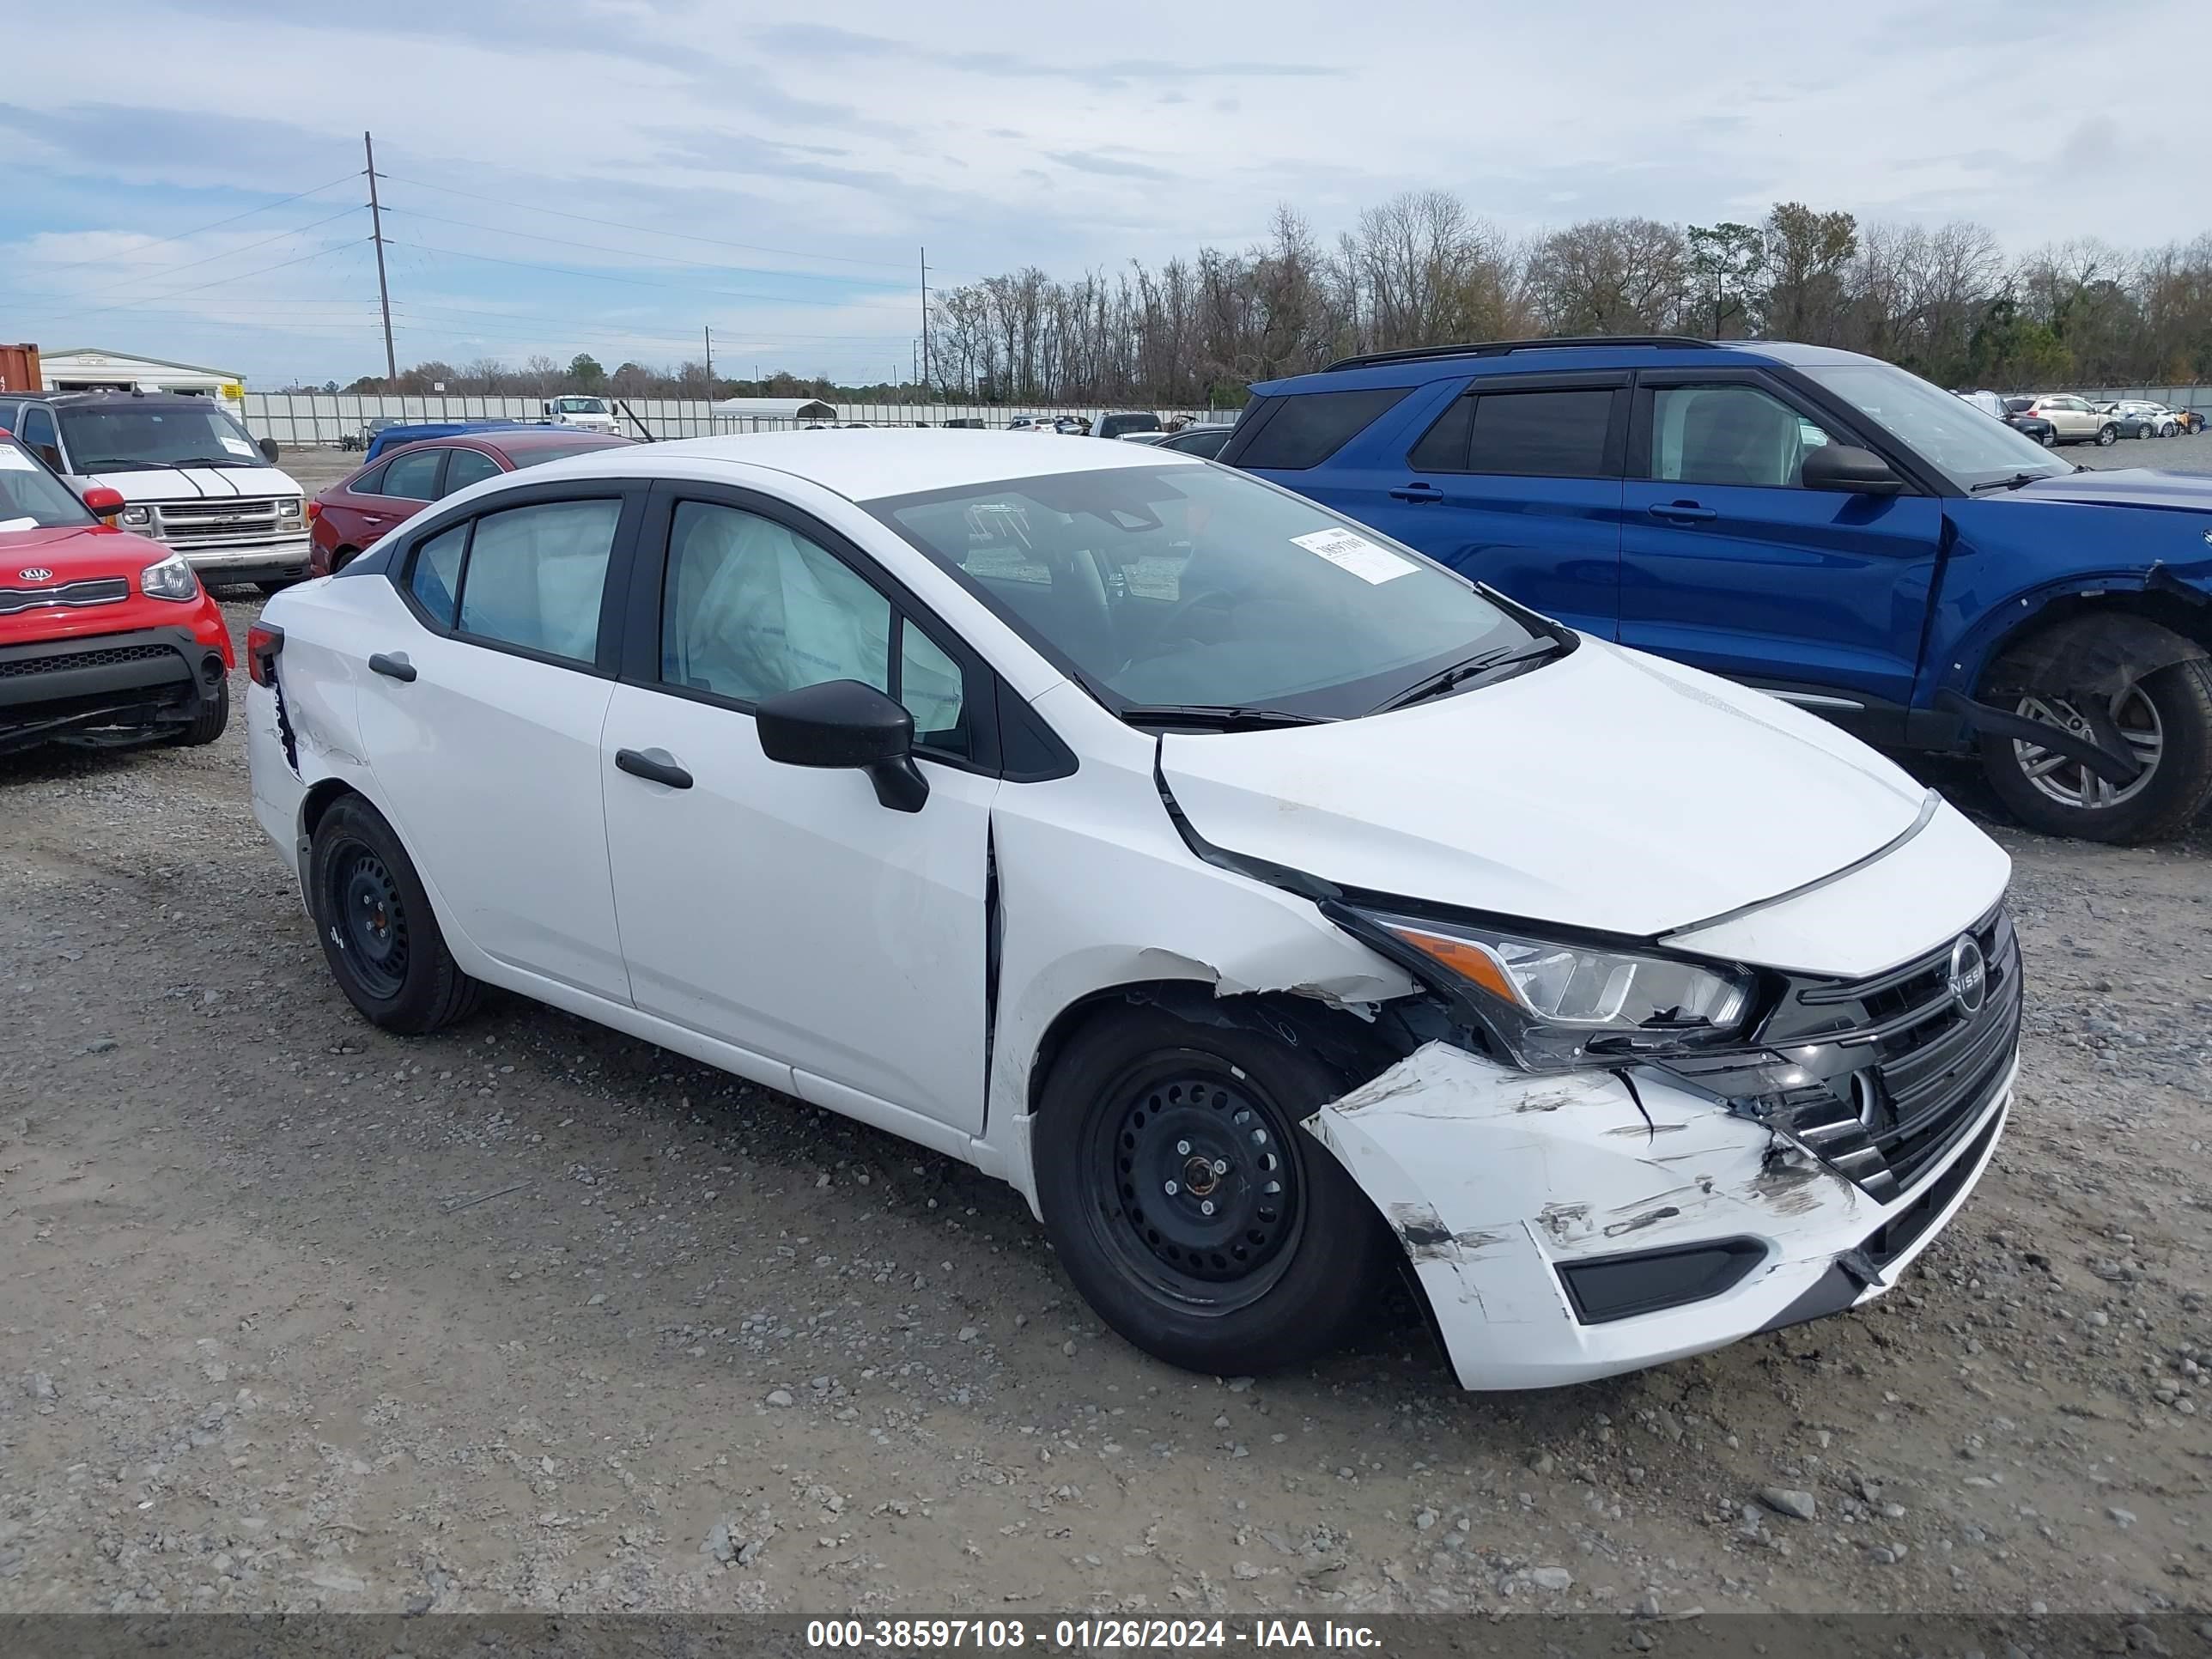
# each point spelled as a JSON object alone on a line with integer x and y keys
{"x": 19, "y": 369}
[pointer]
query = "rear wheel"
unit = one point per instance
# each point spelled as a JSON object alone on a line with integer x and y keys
{"x": 1187, "y": 1204}
{"x": 377, "y": 931}
{"x": 2166, "y": 720}
{"x": 207, "y": 725}
{"x": 343, "y": 557}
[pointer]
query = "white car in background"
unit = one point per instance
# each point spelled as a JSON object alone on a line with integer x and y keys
{"x": 1266, "y": 903}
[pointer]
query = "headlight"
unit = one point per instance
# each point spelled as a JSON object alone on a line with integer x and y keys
{"x": 169, "y": 579}
{"x": 1554, "y": 1004}
{"x": 136, "y": 518}
{"x": 288, "y": 508}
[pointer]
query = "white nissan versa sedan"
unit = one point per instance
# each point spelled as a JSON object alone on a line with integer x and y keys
{"x": 1263, "y": 901}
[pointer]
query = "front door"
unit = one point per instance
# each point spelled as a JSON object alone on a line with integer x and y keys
{"x": 1727, "y": 563}
{"x": 780, "y": 909}
{"x": 482, "y": 699}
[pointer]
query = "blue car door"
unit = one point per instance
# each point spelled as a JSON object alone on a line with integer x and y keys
{"x": 1728, "y": 564}
{"x": 1513, "y": 480}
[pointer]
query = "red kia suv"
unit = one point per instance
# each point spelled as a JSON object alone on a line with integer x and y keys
{"x": 105, "y": 637}
{"x": 352, "y": 515}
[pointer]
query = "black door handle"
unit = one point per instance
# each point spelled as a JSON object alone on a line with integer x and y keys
{"x": 1683, "y": 510}
{"x": 656, "y": 765}
{"x": 1417, "y": 492}
{"x": 396, "y": 665}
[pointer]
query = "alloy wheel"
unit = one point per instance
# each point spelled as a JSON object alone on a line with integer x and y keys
{"x": 2066, "y": 780}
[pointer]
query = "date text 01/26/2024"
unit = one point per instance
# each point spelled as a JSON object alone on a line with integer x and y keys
{"x": 898, "y": 1634}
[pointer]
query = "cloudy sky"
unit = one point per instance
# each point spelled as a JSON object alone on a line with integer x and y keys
{"x": 612, "y": 175}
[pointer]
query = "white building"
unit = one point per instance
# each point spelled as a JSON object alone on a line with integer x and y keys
{"x": 768, "y": 414}
{"x": 94, "y": 368}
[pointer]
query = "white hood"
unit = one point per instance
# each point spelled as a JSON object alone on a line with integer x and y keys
{"x": 161, "y": 484}
{"x": 1607, "y": 790}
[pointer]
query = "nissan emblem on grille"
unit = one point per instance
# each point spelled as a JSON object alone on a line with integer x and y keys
{"x": 1969, "y": 978}
{"x": 36, "y": 572}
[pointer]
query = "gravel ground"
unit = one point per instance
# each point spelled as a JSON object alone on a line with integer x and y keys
{"x": 532, "y": 1315}
{"x": 2189, "y": 454}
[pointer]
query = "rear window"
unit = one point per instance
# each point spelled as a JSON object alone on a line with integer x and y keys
{"x": 538, "y": 454}
{"x": 1305, "y": 431}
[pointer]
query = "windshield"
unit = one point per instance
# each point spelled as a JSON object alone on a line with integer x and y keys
{"x": 1196, "y": 586}
{"x": 579, "y": 406}
{"x": 124, "y": 436}
{"x": 32, "y": 498}
{"x": 1966, "y": 444}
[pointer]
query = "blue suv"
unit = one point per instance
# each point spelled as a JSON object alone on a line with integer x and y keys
{"x": 1822, "y": 525}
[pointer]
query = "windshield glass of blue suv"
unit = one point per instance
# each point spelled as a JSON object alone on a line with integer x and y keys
{"x": 32, "y": 498}
{"x": 1947, "y": 431}
{"x": 117, "y": 438}
{"x": 1191, "y": 585}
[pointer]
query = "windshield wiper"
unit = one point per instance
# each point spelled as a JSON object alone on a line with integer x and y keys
{"x": 1216, "y": 716}
{"x": 2013, "y": 482}
{"x": 1460, "y": 673}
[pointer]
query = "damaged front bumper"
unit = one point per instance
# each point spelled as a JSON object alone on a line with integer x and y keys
{"x": 1574, "y": 1225}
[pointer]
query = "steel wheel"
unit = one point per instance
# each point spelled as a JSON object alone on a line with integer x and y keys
{"x": 368, "y": 919}
{"x": 2070, "y": 783}
{"x": 1205, "y": 1204}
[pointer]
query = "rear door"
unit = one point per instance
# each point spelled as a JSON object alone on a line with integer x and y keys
{"x": 1727, "y": 563}
{"x": 482, "y": 695}
{"x": 386, "y": 497}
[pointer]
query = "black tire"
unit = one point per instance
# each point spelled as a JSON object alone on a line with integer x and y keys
{"x": 2107, "y": 436}
{"x": 377, "y": 931}
{"x": 2049, "y": 440}
{"x": 271, "y": 589}
{"x": 342, "y": 557}
{"x": 2179, "y": 698}
{"x": 1277, "y": 1276}
{"x": 207, "y": 725}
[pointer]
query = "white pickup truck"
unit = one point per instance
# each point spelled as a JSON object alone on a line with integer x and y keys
{"x": 588, "y": 413}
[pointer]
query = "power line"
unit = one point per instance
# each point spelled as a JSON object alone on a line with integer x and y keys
{"x": 228, "y": 253}
{"x": 609, "y": 326}
{"x": 658, "y": 259}
{"x": 125, "y": 304}
{"x": 680, "y": 235}
{"x": 217, "y": 225}
{"x": 636, "y": 282}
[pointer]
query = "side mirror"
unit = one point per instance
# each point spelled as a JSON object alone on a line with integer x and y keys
{"x": 1852, "y": 470}
{"x": 102, "y": 502}
{"x": 845, "y": 724}
{"x": 268, "y": 451}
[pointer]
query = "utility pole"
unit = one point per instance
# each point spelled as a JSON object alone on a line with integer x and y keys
{"x": 376, "y": 235}
{"x": 710, "y": 362}
{"x": 924, "y": 325}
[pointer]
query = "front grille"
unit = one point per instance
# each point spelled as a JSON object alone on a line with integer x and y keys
{"x": 1879, "y": 1077}
{"x": 185, "y": 523}
{"x": 1904, "y": 1070}
{"x": 99, "y": 590}
{"x": 106, "y": 657}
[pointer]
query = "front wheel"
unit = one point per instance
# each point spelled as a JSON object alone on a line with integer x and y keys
{"x": 2166, "y": 720}
{"x": 1190, "y": 1209}
{"x": 207, "y": 725}
{"x": 2049, "y": 440}
{"x": 377, "y": 931}
{"x": 2107, "y": 436}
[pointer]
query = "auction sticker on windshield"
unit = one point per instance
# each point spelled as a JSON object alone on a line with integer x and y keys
{"x": 237, "y": 445}
{"x": 1362, "y": 557}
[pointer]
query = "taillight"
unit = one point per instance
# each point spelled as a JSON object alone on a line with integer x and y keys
{"x": 264, "y": 641}
{"x": 315, "y": 511}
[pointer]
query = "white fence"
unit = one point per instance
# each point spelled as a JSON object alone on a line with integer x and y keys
{"x": 2174, "y": 397}
{"x": 302, "y": 419}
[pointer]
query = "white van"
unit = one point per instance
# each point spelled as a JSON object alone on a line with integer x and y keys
{"x": 187, "y": 470}
{"x": 591, "y": 414}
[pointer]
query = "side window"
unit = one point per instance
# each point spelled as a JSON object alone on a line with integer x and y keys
{"x": 1442, "y": 448}
{"x": 466, "y": 466}
{"x": 436, "y": 575}
{"x": 370, "y": 483}
{"x": 535, "y": 576}
{"x": 1541, "y": 435}
{"x": 412, "y": 475}
{"x": 37, "y": 434}
{"x": 1306, "y": 431}
{"x": 1729, "y": 435}
{"x": 750, "y": 608}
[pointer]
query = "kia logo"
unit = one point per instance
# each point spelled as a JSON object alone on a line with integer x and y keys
{"x": 37, "y": 573}
{"x": 1969, "y": 978}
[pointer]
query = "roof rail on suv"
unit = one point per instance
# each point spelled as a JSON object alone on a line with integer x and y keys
{"x": 1499, "y": 348}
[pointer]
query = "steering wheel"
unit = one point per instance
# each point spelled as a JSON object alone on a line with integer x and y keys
{"x": 1189, "y": 606}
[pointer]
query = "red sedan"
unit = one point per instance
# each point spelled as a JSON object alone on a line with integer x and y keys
{"x": 353, "y": 514}
{"x": 105, "y": 637}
